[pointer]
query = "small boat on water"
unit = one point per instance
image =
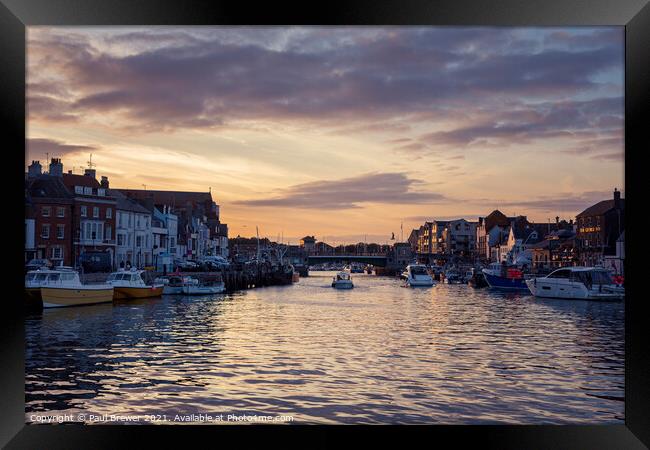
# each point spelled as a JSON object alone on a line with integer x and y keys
{"x": 577, "y": 283}
{"x": 172, "y": 283}
{"x": 62, "y": 287}
{"x": 476, "y": 279}
{"x": 342, "y": 280}
{"x": 418, "y": 276}
{"x": 452, "y": 276}
{"x": 130, "y": 284}
{"x": 499, "y": 276}
{"x": 193, "y": 287}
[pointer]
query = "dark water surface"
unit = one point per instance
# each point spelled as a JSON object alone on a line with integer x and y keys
{"x": 379, "y": 353}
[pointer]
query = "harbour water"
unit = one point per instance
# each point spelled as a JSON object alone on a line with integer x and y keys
{"x": 378, "y": 353}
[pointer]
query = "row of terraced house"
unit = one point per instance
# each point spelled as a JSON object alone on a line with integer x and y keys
{"x": 76, "y": 220}
{"x": 596, "y": 236}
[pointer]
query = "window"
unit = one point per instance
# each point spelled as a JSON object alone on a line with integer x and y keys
{"x": 138, "y": 241}
{"x": 60, "y": 231}
{"x": 101, "y": 192}
{"x": 109, "y": 231}
{"x": 57, "y": 253}
{"x": 95, "y": 211}
{"x": 78, "y": 190}
{"x": 46, "y": 211}
{"x": 60, "y": 212}
{"x": 561, "y": 274}
{"x": 45, "y": 231}
{"x": 120, "y": 239}
{"x": 84, "y": 211}
{"x": 109, "y": 213}
{"x": 88, "y": 191}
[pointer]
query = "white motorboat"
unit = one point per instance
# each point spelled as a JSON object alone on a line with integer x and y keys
{"x": 173, "y": 283}
{"x": 192, "y": 287}
{"x": 342, "y": 280}
{"x": 418, "y": 276}
{"x": 577, "y": 283}
{"x": 62, "y": 287}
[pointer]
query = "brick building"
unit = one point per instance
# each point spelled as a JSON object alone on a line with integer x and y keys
{"x": 93, "y": 221}
{"x": 50, "y": 207}
{"x": 598, "y": 229}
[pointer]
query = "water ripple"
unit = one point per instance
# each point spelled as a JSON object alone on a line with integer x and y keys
{"x": 375, "y": 354}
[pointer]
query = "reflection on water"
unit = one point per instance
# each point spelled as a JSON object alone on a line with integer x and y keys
{"x": 378, "y": 353}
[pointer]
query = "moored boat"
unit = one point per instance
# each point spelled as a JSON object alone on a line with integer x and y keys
{"x": 342, "y": 280}
{"x": 418, "y": 276}
{"x": 64, "y": 288}
{"x": 577, "y": 283}
{"x": 499, "y": 276}
{"x": 172, "y": 283}
{"x": 193, "y": 287}
{"x": 130, "y": 284}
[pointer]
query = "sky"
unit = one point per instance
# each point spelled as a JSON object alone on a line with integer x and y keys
{"x": 345, "y": 133}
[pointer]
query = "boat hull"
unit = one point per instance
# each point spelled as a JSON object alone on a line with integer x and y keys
{"x": 33, "y": 295}
{"x": 172, "y": 290}
{"x": 121, "y": 293}
{"x": 498, "y": 282}
{"x": 202, "y": 290}
{"x": 340, "y": 285}
{"x": 420, "y": 283}
{"x": 571, "y": 291}
{"x": 54, "y": 297}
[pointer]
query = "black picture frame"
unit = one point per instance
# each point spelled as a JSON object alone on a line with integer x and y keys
{"x": 15, "y": 15}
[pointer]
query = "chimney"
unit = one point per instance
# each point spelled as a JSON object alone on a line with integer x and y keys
{"x": 617, "y": 198}
{"x": 56, "y": 167}
{"x": 104, "y": 182}
{"x": 69, "y": 172}
{"x": 557, "y": 219}
{"x": 34, "y": 169}
{"x": 90, "y": 173}
{"x": 480, "y": 221}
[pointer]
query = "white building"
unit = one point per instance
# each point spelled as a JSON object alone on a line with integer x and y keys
{"x": 459, "y": 236}
{"x": 165, "y": 235}
{"x": 133, "y": 232}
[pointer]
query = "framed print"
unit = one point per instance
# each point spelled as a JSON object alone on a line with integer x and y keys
{"x": 414, "y": 216}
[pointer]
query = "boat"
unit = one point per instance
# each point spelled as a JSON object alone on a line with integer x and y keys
{"x": 193, "y": 287}
{"x": 418, "y": 276}
{"x": 499, "y": 276}
{"x": 577, "y": 283}
{"x": 37, "y": 278}
{"x": 62, "y": 287}
{"x": 476, "y": 279}
{"x": 342, "y": 280}
{"x": 452, "y": 276}
{"x": 130, "y": 284}
{"x": 172, "y": 283}
{"x": 356, "y": 268}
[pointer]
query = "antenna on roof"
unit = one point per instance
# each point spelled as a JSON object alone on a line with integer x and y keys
{"x": 144, "y": 186}
{"x": 90, "y": 162}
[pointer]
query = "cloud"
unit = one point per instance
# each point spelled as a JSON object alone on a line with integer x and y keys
{"x": 368, "y": 79}
{"x": 347, "y": 193}
{"x": 38, "y": 147}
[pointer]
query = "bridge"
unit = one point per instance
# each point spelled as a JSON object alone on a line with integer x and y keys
{"x": 378, "y": 260}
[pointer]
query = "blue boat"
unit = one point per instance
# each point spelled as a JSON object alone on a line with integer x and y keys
{"x": 495, "y": 279}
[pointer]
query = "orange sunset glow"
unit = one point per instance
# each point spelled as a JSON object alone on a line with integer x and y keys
{"x": 345, "y": 133}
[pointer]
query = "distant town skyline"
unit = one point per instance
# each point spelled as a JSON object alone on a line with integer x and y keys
{"x": 337, "y": 132}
